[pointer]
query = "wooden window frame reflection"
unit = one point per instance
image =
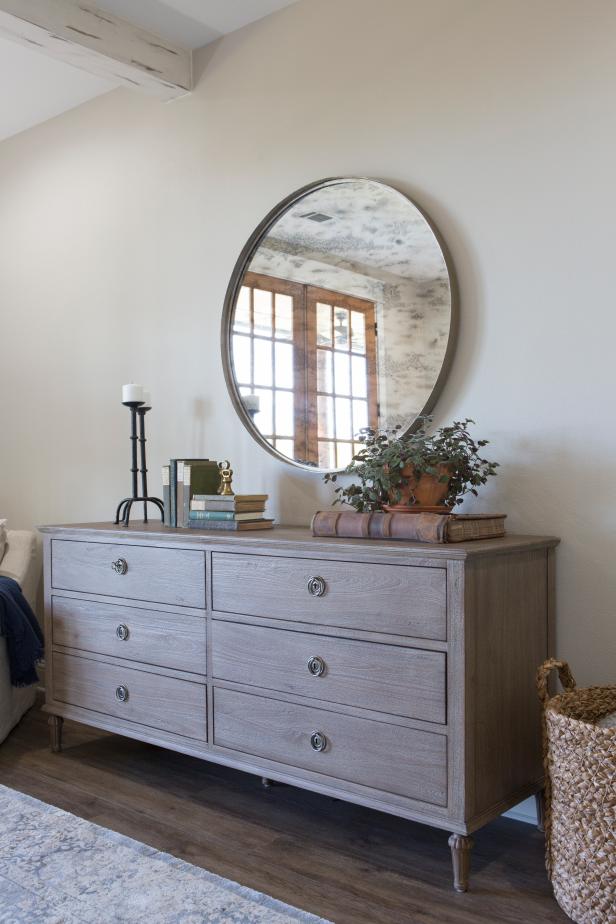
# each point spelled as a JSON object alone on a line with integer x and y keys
{"x": 305, "y": 298}
{"x": 283, "y": 287}
{"x": 314, "y": 295}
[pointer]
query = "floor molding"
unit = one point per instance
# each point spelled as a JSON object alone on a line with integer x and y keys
{"x": 524, "y": 811}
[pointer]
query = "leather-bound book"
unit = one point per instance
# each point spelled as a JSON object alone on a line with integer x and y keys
{"x": 412, "y": 527}
{"x": 463, "y": 527}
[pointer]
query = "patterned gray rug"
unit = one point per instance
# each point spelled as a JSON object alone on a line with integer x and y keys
{"x": 56, "y": 868}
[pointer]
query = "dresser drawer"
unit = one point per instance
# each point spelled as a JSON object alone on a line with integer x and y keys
{"x": 400, "y": 681}
{"x": 165, "y": 703}
{"x": 388, "y": 758}
{"x": 401, "y": 600}
{"x": 175, "y": 576}
{"x": 173, "y": 640}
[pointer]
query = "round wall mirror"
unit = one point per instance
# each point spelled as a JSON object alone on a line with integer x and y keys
{"x": 340, "y": 315}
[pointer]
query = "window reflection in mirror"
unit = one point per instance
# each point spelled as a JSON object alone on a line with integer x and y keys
{"x": 307, "y": 357}
{"x": 342, "y": 321}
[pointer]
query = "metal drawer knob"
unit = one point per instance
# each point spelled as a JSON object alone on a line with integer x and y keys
{"x": 318, "y": 741}
{"x": 122, "y": 632}
{"x": 316, "y": 586}
{"x": 122, "y": 693}
{"x": 316, "y": 666}
{"x": 120, "y": 566}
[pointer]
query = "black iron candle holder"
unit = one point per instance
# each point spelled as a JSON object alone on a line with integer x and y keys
{"x": 138, "y": 409}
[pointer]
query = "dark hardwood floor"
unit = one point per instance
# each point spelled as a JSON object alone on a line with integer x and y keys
{"x": 348, "y": 864}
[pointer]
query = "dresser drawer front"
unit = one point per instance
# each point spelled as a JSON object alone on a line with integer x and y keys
{"x": 387, "y": 678}
{"x": 157, "y": 701}
{"x": 173, "y": 640}
{"x": 397, "y": 599}
{"x": 174, "y": 576}
{"x": 387, "y": 758}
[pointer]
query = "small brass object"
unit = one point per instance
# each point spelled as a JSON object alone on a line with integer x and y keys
{"x": 226, "y": 476}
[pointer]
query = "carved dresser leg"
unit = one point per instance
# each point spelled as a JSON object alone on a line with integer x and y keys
{"x": 461, "y": 847}
{"x": 55, "y": 723}
{"x": 266, "y": 783}
{"x": 540, "y": 802}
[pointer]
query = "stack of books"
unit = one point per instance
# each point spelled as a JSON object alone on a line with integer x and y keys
{"x": 236, "y": 511}
{"x": 182, "y": 479}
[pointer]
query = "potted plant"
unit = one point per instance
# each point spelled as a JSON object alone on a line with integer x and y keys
{"x": 415, "y": 470}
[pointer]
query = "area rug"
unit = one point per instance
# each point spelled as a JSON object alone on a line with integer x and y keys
{"x": 56, "y": 868}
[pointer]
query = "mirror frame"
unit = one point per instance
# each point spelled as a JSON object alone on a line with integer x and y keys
{"x": 235, "y": 283}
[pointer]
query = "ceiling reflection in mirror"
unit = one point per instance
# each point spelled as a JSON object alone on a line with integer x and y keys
{"x": 341, "y": 320}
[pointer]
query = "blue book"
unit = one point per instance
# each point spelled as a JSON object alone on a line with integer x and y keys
{"x": 212, "y": 515}
{"x": 166, "y": 495}
{"x": 223, "y": 515}
{"x": 230, "y": 524}
{"x": 173, "y": 470}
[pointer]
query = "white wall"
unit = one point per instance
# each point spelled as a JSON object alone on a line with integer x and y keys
{"x": 120, "y": 223}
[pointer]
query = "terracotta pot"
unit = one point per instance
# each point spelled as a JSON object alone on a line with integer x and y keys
{"x": 425, "y": 491}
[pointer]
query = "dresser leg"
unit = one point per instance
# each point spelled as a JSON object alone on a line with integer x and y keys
{"x": 540, "y": 803}
{"x": 55, "y": 723}
{"x": 461, "y": 847}
{"x": 266, "y": 783}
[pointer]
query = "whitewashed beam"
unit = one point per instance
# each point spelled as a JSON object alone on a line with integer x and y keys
{"x": 95, "y": 41}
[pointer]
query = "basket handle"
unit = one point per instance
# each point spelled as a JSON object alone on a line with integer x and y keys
{"x": 564, "y": 674}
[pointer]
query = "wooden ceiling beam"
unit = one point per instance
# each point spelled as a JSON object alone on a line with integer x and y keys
{"x": 99, "y": 42}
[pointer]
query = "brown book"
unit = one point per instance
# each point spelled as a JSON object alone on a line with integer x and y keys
{"x": 463, "y": 527}
{"x": 245, "y": 507}
{"x": 412, "y": 527}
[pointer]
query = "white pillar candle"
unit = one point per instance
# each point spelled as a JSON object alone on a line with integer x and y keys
{"x": 252, "y": 403}
{"x": 131, "y": 393}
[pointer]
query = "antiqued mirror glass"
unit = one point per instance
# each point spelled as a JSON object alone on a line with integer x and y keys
{"x": 340, "y": 315}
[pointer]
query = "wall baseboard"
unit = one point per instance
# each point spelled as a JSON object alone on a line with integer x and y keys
{"x": 524, "y": 811}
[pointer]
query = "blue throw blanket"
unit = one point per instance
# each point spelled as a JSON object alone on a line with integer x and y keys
{"x": 20, "y": 628}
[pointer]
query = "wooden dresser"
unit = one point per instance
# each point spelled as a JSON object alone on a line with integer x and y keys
{"x": 396, "y": 675}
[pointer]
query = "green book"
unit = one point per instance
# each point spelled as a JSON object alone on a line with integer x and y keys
{"x": 199, "y": 475}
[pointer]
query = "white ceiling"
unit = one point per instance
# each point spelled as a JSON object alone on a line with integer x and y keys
{"x": 192, "y": 23}
{"x": 46, "y": 87}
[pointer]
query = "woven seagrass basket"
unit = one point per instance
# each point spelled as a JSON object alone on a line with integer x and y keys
{"x": 580, "y": 797}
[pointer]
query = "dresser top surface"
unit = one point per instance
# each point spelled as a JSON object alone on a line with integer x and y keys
{"x": 299, "y": 538}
